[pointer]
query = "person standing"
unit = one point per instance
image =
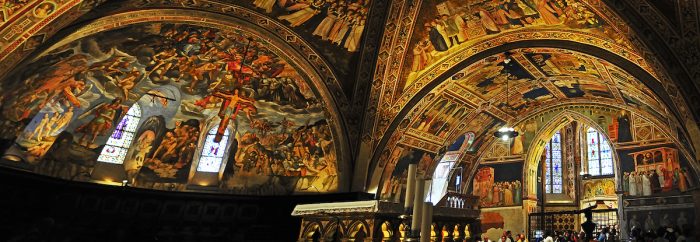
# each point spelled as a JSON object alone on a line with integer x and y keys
{"x": 421, "y": 56}
{"x": 626, "y": 183}
{"x": 438, "y": 41}
{"x": 509, "y": 236}
{"x": 646, "y": 184}
{"x": 639, "y": 183}
{"x": 668, "y": 180}
{"x": 507, "y": 194}
{"x": 451, "y": 30}
{"x": 682, "y": 182}
{"x": 632, "y": 184}
{"x": 548, "y": 237}
{"x": 603, "y": 236}
{"x": 654, "y": 181}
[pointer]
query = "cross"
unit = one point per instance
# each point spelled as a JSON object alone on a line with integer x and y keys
{"x": 234, "y": 102}
{"x": 229, "y": 100}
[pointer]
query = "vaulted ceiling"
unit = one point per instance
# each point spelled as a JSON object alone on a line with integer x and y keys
{"x": 510, "y": 87}
{"x": 390, "y": 66}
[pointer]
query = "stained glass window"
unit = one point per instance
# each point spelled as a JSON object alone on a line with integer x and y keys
{"x": 120, "y": 140}
{"x": 213, "y": 152}
{"x": 553, "y": 166}
{"x": 599, "y": 155}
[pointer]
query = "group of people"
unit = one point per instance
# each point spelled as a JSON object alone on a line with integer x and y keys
{"x": 306, "y": 153}
{"x": 663, "y": 234}
{"x": 283, "y": 91}
{"x": 50, "y": 123}
{"x": 343, "y": 21}
{"x": 604, "y": 234}
{"x": 646, "y": 183}
{"x": 650, "y": 223}
{"x": 445, "y": 31}
{"x": 175, "y": 151}
{"x": 506, "y": 193}
{"x": 506, "y": 237}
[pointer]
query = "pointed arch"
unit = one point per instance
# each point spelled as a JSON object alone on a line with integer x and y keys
{"x": 598, "y": 155}
{"x": 358, "y": 231}
{"x": 119, "y": 142}
{"x": 537, "y": 147}
{"x": 211, "y": 159}
{"x": 312, "y": 231}
{"x": 212, "y": 153}
{"x": 334, "y": 229}
{"x": 553, "y": 164}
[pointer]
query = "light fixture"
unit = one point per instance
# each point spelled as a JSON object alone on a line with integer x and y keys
{"x": 125, "y": 183}
{"x": 506, "y": 133}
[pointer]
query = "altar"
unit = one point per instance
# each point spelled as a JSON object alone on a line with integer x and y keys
{"x": 455, "y": 218}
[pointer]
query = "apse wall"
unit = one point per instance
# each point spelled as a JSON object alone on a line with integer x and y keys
{"x": 220, "y": 109}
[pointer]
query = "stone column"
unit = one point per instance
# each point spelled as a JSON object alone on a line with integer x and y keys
{"x": 622, "y": 217}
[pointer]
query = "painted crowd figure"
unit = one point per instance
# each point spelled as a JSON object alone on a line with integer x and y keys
{"x": 500, "y": 194}
{"x": 646, "y": 183}
{"x": 343, "y": 21}
{"x": 455, "y": 23}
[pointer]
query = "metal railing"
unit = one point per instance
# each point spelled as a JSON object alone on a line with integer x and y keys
{"x": 567, "y": 221}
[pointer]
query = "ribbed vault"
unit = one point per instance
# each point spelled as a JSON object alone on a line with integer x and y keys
{"x": 474, "y": 99}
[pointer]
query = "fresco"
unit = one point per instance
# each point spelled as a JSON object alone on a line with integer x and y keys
{"x": 496, "y": 221}
{"x": 598, "y": 188}
{"x": 482, "y": 125}
{"x": 442, "y": 117}
{"x": 334, "y": 27}
{"x": 10, "y": 8}
{"x": 395, "y": 178}
{"x": 582, "y": 76}
{"x": 448, "y": 26}
{"x": 636, "y": 95}
{"x": 44, "y": 9}
{"x": 682, "y": 219}
{"x": 540, "y": 75}
{"x": 340, "y": 23}
{"x": 76, "y": 96}
{"x": 655, "y": 171}
{"x": 463, "y": 142}
{"x": 489, "y": 80}
{"x": 537, "y": 77}
{"x": 498, "y": 185}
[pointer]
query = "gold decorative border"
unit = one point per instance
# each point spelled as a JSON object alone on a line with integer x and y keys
{"x": 26, "y": 26}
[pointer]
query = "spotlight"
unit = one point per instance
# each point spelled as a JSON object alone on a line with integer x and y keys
{"x": 506, "y": 133}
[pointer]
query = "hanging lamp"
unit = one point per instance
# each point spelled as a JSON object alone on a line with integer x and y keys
{"x": 505, "y": 132}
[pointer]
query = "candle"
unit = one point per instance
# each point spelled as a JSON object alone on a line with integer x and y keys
{"x": 417, "y": 205}
{"x": 410, "y": 186}
{"x": 427, "y": 222}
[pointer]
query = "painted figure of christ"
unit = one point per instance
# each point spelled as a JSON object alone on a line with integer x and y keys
{"x": 231, "y": 105}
